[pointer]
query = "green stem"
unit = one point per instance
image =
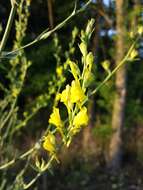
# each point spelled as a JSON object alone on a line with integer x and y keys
{"x": 24, "y": 122}
{"x": 16, "y": 159}
{"x": 9, "y": 114}
{"x": 116, "y": 68}
{"x": 45, "y": 35}
{"x": 8, "y": 28}
{"x": 26, "y": 186}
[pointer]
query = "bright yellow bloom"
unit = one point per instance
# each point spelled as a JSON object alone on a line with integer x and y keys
{"x": 81, "y": 118}
{"x": 65, "y": 97}
{"x": 55, "y": 118}
{"x": 49, "y": 143}
{"x": 77, "y": 94}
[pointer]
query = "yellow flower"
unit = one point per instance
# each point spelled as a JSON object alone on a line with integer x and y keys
{"x": 49, "y": 143}
{"x": 55, "y": 118}
{"x": 81, "y": 118}
{"x": 65, "y": 97}
{"x": 77, "y": 94}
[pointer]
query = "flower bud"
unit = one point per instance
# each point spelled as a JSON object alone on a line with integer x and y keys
{"x": 133, "y": 54}
{"x": 83, "y": 49}
{"x": 89, "y": 60}
{"x": 89, "y": 27}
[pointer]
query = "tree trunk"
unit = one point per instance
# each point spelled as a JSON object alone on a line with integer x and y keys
{"x": 50, "y": 13}
{"x": 115, "y": 146}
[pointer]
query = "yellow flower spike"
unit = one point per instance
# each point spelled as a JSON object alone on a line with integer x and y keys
{"x": 77, "y": 94}
{"x": 55, "y": 118}
{"x": 49, "y": 143}
{"x": 81, "y": 118}
{"x": 74, "y": 69}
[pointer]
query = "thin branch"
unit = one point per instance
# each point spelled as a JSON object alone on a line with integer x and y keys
{"x": 8, "y": 27}
{"x": 45, "y": 35}
{"x": 8, "y": 164}
{"x": 9, "y": 114}
{"x": 26, "y": 186}
{"x": 116, "y": 68}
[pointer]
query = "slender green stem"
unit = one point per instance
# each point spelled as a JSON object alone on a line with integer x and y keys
{"x": 26, "y": 186}
{"x": 46, "y": 34}
{"x": 16, "y": 159}
{"x": 116, "y": 68}
{"x": 23, "y": 123}
{"x": 8, "y": 28}
{"x": 9, "y": 114}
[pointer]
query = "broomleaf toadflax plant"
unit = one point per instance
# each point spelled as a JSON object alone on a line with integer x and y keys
{"x": 73, "y": 96}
